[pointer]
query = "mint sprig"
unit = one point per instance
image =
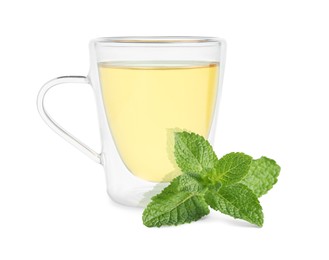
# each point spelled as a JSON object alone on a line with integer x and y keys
{"x": 231, "y": 185}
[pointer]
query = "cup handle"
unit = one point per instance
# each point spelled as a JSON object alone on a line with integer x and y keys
{"x": 56, "y": 127}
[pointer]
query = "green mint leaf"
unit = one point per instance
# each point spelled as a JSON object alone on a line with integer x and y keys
{"x": 181, "y": 202}
{"x": 193, "y": 153}
{"x": 238, "y": 201}
{"x": 231, "y": 168}
{"x": 189, "y": 182}
{"x": 262, "y": 175}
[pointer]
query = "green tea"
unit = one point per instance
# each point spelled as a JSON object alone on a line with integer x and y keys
{"x": 146, "y": 101}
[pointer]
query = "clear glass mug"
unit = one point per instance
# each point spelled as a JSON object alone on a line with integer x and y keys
{"x": 146, "y": 88}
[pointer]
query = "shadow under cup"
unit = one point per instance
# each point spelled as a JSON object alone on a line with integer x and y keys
{"x": 146, "y": 89}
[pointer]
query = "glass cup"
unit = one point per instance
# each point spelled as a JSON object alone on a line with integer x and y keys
{"x": 146, "y": 88}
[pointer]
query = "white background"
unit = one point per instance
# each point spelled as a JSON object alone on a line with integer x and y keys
{"x": 53, "y": 201}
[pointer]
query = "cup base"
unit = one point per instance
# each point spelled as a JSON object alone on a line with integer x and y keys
{"x": 136, "y": 197}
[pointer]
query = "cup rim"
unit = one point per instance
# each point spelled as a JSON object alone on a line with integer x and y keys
{"x": 157, "y": 40}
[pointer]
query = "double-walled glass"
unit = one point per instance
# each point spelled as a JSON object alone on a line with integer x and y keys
{"x": 146, "y": 88}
